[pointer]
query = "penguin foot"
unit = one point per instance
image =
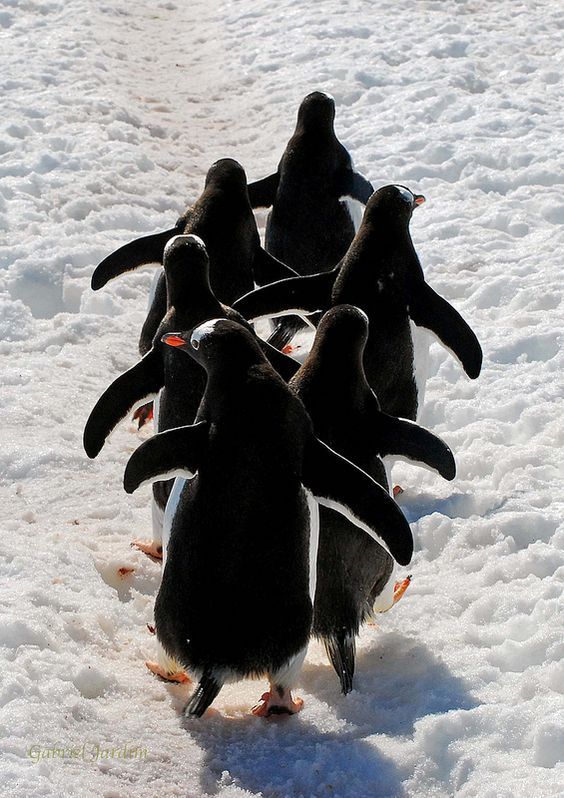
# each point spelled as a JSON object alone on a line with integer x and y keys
{"x": 150, "y": 548}
{"x": 289, "y": 349}
{"x": 143, "y": 414}
{"x": 397, "y": 490}
{"x": 179, "y": 677}
{"x": 401, "y": 587}
{"x": 276, "y": 702}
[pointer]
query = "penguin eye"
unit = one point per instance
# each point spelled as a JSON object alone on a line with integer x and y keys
{"x": 195, "y": 343}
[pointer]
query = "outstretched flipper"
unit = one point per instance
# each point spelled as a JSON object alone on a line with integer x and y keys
{"x": 404, "y": 438}
{"x": 174, "y": 453}
{"x": 338, "y": 484}
{"x": 136, "y": 385}
{"x": 300, "y": 295}
{"x": 268, "y": 269}
{"x": 356, "y": 186}
{"x": 155, "y": 315}
{"x": 148, "y": 249}
{"x": 429, "y": 310}
{"x": 262, "y": 193}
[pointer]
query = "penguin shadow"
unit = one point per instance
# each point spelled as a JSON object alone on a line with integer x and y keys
{"x": 285, "y": 756}
{"x": 398, "y": 680}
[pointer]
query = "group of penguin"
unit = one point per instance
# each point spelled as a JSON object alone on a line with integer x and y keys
{"x": 272, "y": 510}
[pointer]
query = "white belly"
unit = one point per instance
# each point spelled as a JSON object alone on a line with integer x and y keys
{"x": 313, "y": 508}
{"x": 170, "y": 511}
{"x": 421, "y": 344}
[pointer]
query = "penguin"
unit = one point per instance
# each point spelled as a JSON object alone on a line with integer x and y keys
{"x": 244, "y": 533}
{"x": 178, "y": 382}
{"x": 222, "y": 217}
{"x": 310, "y": 226}
{"x": 355, "y": 575}
{"x": 382, "y": 275}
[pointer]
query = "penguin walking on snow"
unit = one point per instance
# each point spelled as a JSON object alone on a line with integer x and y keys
{"x": 380, "y": 274}
{"x": 244, "y": 534}
{"x": 355, "y": 575}
{"x": 178, "y": 382}
{"x": 310, "y": 226}
{"x": 222, "y": 217}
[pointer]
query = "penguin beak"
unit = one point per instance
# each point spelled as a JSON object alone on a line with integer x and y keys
{"x": 173, "y": 340}
{"x": 418, "y": 199}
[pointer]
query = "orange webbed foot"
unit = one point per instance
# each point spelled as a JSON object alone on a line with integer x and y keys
{"x": 401, "y": 587}
{"x": 179, "y": 676}
{"x": 143, "y": 414}
{"x": 150, "y": 548}
{"x": 272, "y": 703}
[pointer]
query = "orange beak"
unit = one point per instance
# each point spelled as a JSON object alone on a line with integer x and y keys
{"x": 173, "y": 340}
{"x": 419, "y": 199}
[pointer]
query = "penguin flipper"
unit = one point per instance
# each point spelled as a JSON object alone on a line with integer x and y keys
{"x": 139, "y": 383}
{"x": 299, "y": 295}
{"x": 404, "y": 438}
{"x": 155, "y": 315}
{"x": 284, "y": 365}
{"x": 429, "y": 310}
{"x": 268, "y": 269}
{"x": 176, "y": 452}
{"x": 148, "y": 249}
{"x": 356, "y": 186}
{"x": 340, "y": 485}
{"x": 262, "y": 193}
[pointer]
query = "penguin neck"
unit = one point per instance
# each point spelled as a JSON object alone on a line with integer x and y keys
{"x": 332, "y": 373}
{"x": 382, "y": 255}
{"x": 313, "y": 139}
{"x": 227, "y": 195}
{"x": 187, "y": 295}
{"x": 227, "y": 386}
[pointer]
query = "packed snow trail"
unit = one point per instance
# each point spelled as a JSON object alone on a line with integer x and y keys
{"x": 110, "y": 119}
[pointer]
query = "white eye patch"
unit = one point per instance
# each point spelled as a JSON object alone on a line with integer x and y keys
{"x": 405, "y": 194}
{"x": 200, "y": 332}
{"x": 195, "y": 240}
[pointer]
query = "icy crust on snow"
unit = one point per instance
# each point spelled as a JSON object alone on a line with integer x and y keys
{"x": 110, "y": 118}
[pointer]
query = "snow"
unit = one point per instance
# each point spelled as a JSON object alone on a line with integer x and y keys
{"x": 111, "y": 115}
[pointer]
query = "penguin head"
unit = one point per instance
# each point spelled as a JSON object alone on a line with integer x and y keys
{"x": 317, "y": 110}
{"x": 218, "y": 344}
{"x": 226, "y": 173}
{"x": 186, "y": 265}
{"x": 394, "y": 202}
{"x": 345, "y": 324}
{"x": 341, "y": 337}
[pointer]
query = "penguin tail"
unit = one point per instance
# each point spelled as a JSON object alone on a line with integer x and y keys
{"x": 286, "y": 328}
{"x": 341, "y": 650}
{"x": 206, "y": 691}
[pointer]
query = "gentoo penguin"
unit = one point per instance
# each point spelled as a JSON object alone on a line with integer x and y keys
{"x": 354, "y": 572}
{"x": 222, "y": 217}
{"x": 380, "y": 274}
{"x": 310, "y": 226}
{"x": 244, "y": 534}
{"x": 180, "y": 381}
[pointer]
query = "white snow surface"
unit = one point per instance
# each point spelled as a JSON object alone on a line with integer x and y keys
{"x": 111, "y": 114}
